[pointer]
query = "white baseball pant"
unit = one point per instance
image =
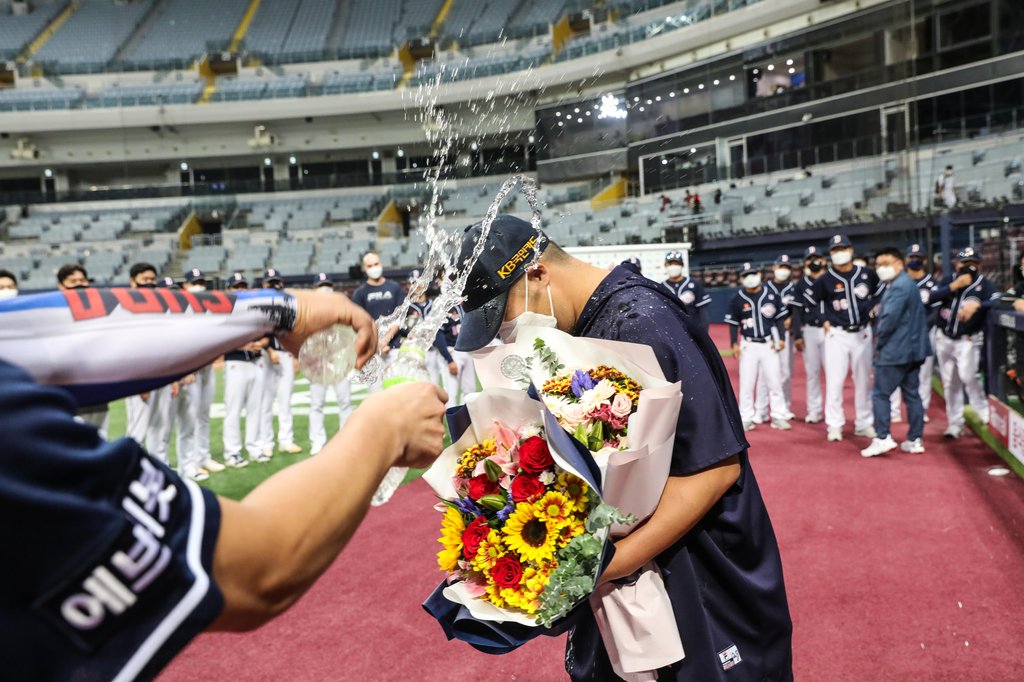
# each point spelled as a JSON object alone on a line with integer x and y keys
{"x": 958, "y": 366}
{"x": 242, "y": 389}
{"x": 138, "y": 411}
{"x": 814, "y": 360}
{"x": 205, "y": 384}
{"x": 284, "y": 382}
{"x": 759, "y": 363}
{"x": 464, "y": 382}
{"x": 785, "y": 376}
{"x": 317, "y": 398}
{"x": 848, "y": 353}
{"x": 184, "y": 416}
{"x": 158, "y": 437}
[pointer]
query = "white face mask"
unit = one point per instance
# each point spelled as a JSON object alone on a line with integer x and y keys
{"x": 674, "y": 270}
{"x": 886, "y": 273}
{"x": 842, "y": 257}
{"x": 782, "y": 274}
{"x": 375, "y": 272}
{"x": 751, "y": 281}
{"x": 195, "y": 288}
{"x": 510, "y": 328}
{"x": 8, "y": 293}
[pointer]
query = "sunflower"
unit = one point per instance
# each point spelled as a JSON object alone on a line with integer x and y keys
{"x": 529, "y": 534}
{"x": 568, "y": 532}
{"x": 469, "y": 459}
{"x": 576, "y": 489}
{"x": 452, "y": 527}
{"x": 556, "y": 507}
{"x": 491, "y": 549}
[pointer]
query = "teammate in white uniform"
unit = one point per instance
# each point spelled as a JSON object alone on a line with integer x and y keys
{"x": 808, "y": 335}
{"x": 141, "y": 408}
{"x": 783, "y": 286}
{"x": 318, "y": 392}
{"x": 74, "y": 276}
{"x": 848, "y": 294}
{"x": 278, "y": 382}
{"x": 754, "y": 316}
{"x": 463, "y": 381}
{"x": 243, "y": 389}
{"x": 198, "y": 402}
{"x": 965, "y": 300}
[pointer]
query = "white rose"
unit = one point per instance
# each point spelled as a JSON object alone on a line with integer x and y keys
{"x": 621, "y": 405}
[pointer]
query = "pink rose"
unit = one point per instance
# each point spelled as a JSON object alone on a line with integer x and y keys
{"x": 622, "y": 406}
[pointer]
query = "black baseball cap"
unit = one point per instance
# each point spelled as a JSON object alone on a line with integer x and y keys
{"x": 839, "y": 241}
{"x": 272, "y": 275}
{"x": 748, "y": 268}
{"x": 969, "y": 255}
{"x": 195, "y": 275}
{"x": 511, "y": 246}
{"x": 322, "y": 280}
{"x": 237, "y": 280}
{"x": 812, "y": 252}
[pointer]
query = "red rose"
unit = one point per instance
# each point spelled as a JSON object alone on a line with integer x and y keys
{"x": 507, "y": 572}
{"x": 534, "y": 456}
{"x": 526, "y": 487}
{"x": 474, "y": 535}
{"x": 480, "y": 486}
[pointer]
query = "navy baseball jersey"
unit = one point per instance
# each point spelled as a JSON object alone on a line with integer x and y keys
{"x": 755, "y": 315}
{"x": 925, "y": 285}
{"x": 981, "y": 290}
{"x": 452, "y": 325}
{"x": 724, "y": 577}
{"x": 806, "y": 311}
{"x": 690, "y": 293}
{"x": 110, "y": 552}
{"x": 848, "y": 297}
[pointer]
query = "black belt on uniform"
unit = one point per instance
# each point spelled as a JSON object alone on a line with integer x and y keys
{"x": 762, "y": 339}
{"x": 853, "y": 328}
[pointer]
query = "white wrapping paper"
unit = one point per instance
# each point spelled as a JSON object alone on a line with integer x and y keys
{"x": 637, "y": 622}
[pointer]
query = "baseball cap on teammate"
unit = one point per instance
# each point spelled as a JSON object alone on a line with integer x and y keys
{"x": 811, "y": 252}
{"x": 839, "y": 241}
{"x": 748, "y": 268}
{"x": 272, "y": 275}
{"x": 968, "y": 255}
{"x": 511, "y": 246}
{"x": 783, "y": 260}
{"x": 322, "y": 280}
{"x": 194, "y": 275}
{"x": 236, "y": 280}
{"x": 914, "y": 250}
{"x": 674, "y": 257}
{"x": 167, "y": 283}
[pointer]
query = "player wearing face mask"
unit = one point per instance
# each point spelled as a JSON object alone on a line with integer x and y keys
{"x": 688, "y": 290}
{"x": 8, "y": 284}
{"x": 848, "y": 293}
{"x": 807, "y": 332}
{"x": 782, "y": 284}
{"x": 380, "y": 297}
{"x": 965, "y": 299}
{"x": 198, "y": 403}
{"x": 278, "y": 381}
{"x": 755, "y": 317}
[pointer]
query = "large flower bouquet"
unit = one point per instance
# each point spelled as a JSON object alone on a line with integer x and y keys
{"x": 613, "y": 399}
{"x": 524, "y": 529}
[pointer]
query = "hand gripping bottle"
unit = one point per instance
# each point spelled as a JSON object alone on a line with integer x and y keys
{"x": 409, "y": 366}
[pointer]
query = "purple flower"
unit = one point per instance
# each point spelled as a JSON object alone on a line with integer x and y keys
{"x": 467, "y": 506}
{"x": 504, "y": 512}
{"x": 581, "y": 382}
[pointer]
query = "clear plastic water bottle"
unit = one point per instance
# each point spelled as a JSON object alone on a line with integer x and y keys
{"x": 409, "y": 366}
{"x": 329, "y": 356}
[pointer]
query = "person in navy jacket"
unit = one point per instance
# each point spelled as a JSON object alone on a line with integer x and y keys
{"x": 901, "y": 346}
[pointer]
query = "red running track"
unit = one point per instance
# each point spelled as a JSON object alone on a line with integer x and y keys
{"x": 903, "y": 567}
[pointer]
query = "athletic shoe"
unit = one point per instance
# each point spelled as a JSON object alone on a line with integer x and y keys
{"x": 212, "y": 466}
{"x": 260, "y": 458}
{"x": 788, "y": 415}
{"x": 926, "y": 419}
{"x": 314, "y": 449}
{"x": 951, "y": 433}
{"x": 268, "y": 452}
{"x": 812, "y": 419}
{"x": 835, "y": 435}
{"x": 781, "y": 425}
{"x": 879, "y": 446}
{"x": 758, "y": 419}
{"x": 235, "y": 461}
{"x": 198, "y": 475}
{"x": 866, "y": 432}
{"x": 291, "y": 449}
{"x": 747, "y": 426}
{"x": 915, "y": 447}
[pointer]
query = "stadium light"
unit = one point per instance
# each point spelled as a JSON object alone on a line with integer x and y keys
{"x": 292, "y": 161}
{"x": 375, "y": 155}
{"x": 474, "y": 146}
{"x": 48, "y": 173}
{"x": 531, "y": 139}
{"x": 400, "y": 153}
{"x": 641, "y": 108}
{"x": 686, "y": 91}
{"x": 184, "y": 166}
{"x": 267, "y": 161}
{"x": 789, "y": 62}
{"x": 771, "y": 67}
{"x": 700, "y": 87}
{"x": 611, "y": 107}
{"x": 732, "y": 77}
{"x": 672, "y": 94}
